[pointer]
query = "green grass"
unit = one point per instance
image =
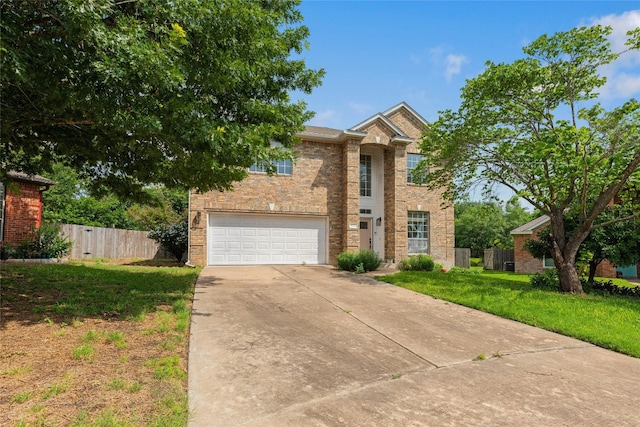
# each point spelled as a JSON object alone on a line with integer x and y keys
{"x": 167, "y": 367}
{"x": 67, "y": 292}
{"x": 608, "y": 321}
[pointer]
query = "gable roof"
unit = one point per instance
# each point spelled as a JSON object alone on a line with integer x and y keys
{"x": 404, "y": 105}
{"x": 531, "y": 226}
{"x": 384, "y": 118}
{"x": 37, "y": 179}
{"x": 330, "y": 134}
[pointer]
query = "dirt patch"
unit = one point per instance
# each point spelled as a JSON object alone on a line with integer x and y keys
{"x": 99, "y": 370}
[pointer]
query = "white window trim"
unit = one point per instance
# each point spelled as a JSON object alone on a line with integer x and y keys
{"x": 368, "y": 191}
{"x": 419, "y": 241}
{"x": 410, "y": 169}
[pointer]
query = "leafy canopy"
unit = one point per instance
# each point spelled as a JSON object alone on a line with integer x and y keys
{"x": 184, "y": 93}
{"x": 482, "y": 225}
{"x": 535, "y": 127}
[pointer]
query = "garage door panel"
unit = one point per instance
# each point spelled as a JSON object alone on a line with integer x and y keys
{"x": 262, "y": 239}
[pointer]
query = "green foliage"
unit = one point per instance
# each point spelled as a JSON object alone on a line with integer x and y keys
{"x": 174, "y": 238}
{"x": 608, "y": 287}
{"x": 547, "y": 280}
{"x": 183, "y": 93}
{"x": 482, "y": 225}
{"x": 43, "y": 242}
{"x": 533, "y": 126}
{"x": 360, "y": 262}
{"x": 460, "y": 270}
{"x": 417, "y": 263}
{"x": 70, "y": 202}
{"x": 164, "y": 207}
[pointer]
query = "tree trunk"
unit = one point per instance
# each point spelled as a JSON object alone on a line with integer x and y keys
{"x": 593, "y": 265}
{"x": 569, "y": 279}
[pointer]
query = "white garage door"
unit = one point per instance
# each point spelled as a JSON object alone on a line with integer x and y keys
{"x": 235, "y": 239}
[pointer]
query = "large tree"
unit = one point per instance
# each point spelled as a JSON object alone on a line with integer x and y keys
{"x": 534, "y": 126}
{"x": 487, "y": 224}
{"x": 188, "y": 93}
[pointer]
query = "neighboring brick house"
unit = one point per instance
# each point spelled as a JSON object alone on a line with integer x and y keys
{"x": 21, "y": 205}
{"x": 348, "y": 189}
{"x": 526, "y": 263}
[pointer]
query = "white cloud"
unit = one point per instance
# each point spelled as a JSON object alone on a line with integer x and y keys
{"x": 361, "y": 109}
{"x": 454, "y": 65}
{"x": 444, "y": 63}
{"x": 623, "y": 75}
{"x": 325, "y": 118}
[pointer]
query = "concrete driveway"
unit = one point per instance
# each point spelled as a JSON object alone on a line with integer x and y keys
{"x": 312, "y": 346}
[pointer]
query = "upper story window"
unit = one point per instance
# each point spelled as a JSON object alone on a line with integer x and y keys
{"x": 412, "y": 161}
{"x": 365, "y": 175}
{"x": 283, "y": 167}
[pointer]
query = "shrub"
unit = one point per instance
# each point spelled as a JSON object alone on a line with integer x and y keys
{"x": 461, "y": 270}
{"x": 547, "y": 280}
{"x": 174, "y": 238}
{"x": 359, "y": 262}
{"x": 610, "y": 288}
{"x": 43, "y": 242}
{"x": 417, "y": 263}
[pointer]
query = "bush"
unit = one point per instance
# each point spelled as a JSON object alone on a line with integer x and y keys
{"x": 461, "y": 270}
{"x": 359, "y": 262}
{"x": 43, "y": 242}
{"x": 174, "y": 238}
{"x": 547, "y": 280}
{"x": 610, "y": 288}
{"x": 417, "y": 263}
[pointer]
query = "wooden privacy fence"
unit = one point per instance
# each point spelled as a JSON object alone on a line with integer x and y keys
{"x": 98, "y": 242}
{"x": 495, "y": 259}
{"x": 463, "y": 257}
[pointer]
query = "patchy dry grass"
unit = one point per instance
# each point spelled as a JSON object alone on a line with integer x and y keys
{"x": 94, "y": 344}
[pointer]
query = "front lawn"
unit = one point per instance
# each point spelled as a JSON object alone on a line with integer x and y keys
{"x": 608, "y": 321}
{"x": 94, "y": 344}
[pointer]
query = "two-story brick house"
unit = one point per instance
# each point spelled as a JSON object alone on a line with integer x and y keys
{"x": 348, "y": 189}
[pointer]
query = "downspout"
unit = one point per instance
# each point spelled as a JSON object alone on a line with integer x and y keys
{"x": 188, "y": 263}
{"x": 41, "y": 207}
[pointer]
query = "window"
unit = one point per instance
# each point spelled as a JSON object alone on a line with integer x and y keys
{"x": 412, "y": 162}
{"x": 283, "y": 167}
{"x": 365, "y": 175}
{"x": 418, "y": 232}
{"x": 547, "y": 262}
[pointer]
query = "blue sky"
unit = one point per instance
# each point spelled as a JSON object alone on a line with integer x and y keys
{"x": 379, "y": 53}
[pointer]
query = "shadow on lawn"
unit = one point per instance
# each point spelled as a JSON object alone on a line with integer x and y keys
{"x": 66, "y": 292}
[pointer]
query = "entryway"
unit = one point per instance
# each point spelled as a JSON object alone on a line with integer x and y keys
{"x": 365, "y": 233}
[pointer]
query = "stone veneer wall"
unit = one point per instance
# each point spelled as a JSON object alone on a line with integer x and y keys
{"x": 23, "y": 211}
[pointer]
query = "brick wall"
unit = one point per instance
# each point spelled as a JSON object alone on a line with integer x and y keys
{"x": 315, "y": 187}
{"x": 606, "y": 269}
{"x": 325, "y": 182}
{"x": 23, "y": 211}
{"x": 524, "y": 261}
